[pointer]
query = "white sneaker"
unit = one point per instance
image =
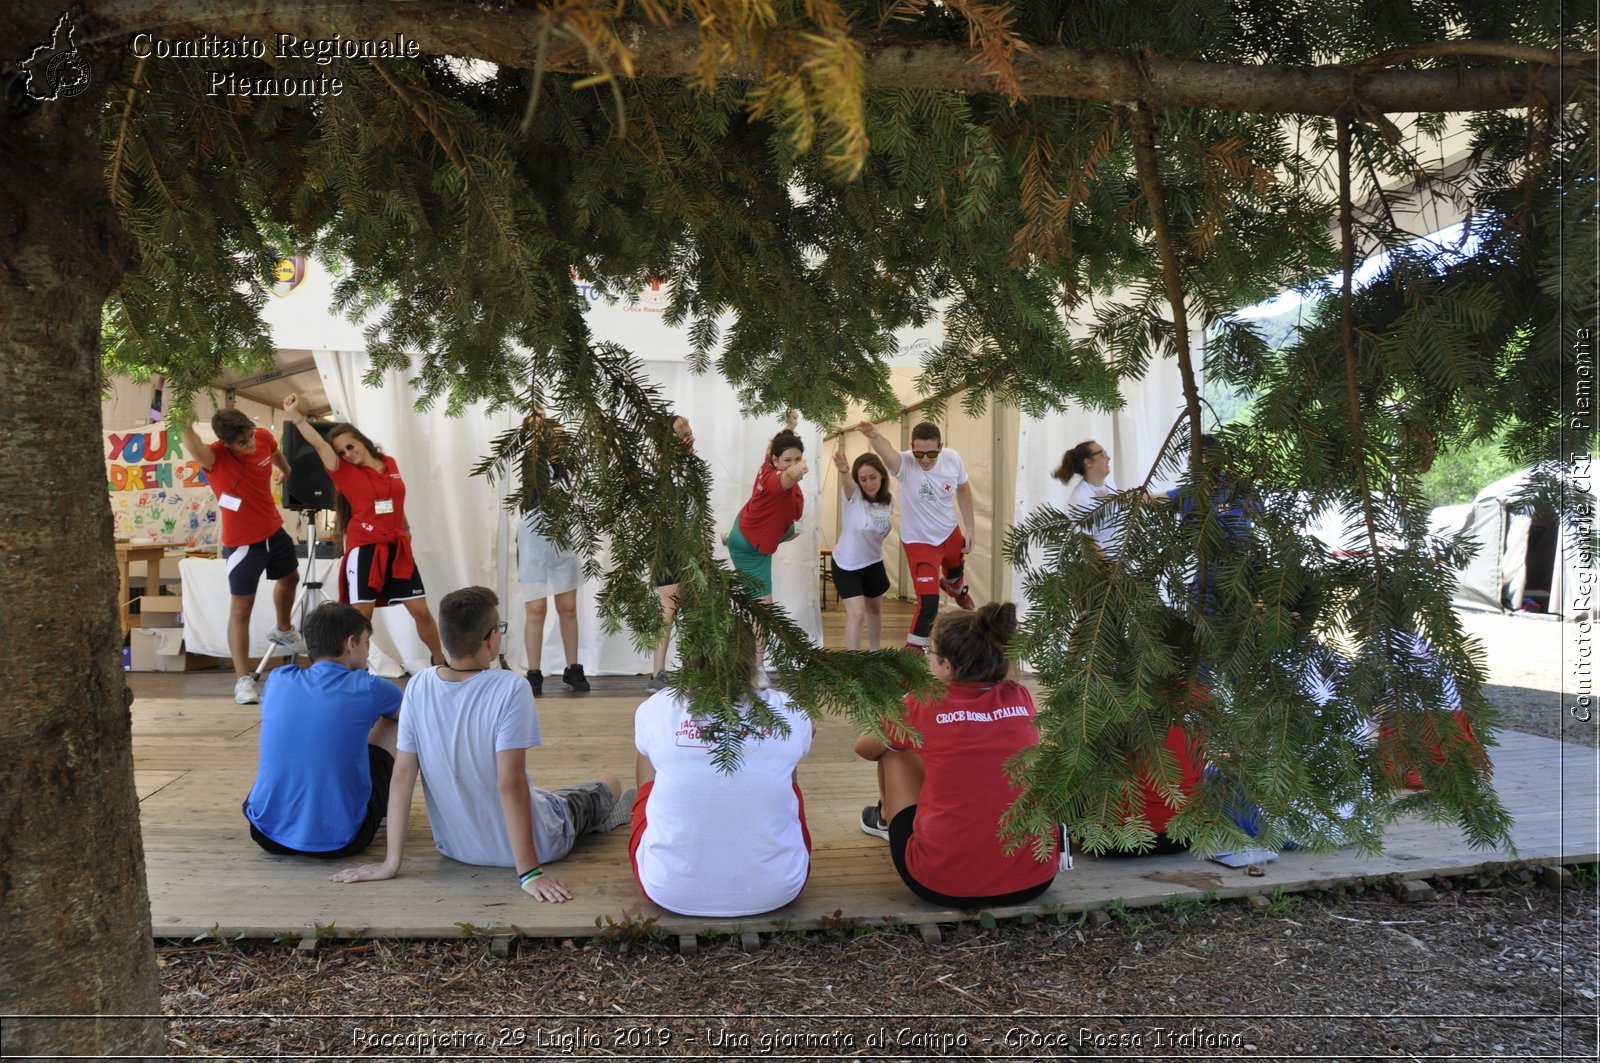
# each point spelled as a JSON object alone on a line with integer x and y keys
{"x": 244, "y": 691}
{"x": 288, "y": 638}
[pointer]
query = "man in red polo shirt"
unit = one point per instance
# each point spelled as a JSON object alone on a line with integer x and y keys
{"x": 239, "y": 469}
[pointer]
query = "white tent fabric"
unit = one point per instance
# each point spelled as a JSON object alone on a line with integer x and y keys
{"x": 1133, "y": 435}
{"x": 460, "y": 535}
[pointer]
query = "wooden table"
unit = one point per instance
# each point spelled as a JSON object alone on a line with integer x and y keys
{"x": 127, "y": 553}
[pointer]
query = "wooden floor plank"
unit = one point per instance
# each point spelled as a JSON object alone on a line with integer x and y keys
{"x": 195, "y": 758}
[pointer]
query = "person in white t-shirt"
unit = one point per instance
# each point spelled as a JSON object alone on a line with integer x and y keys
{"x": 467, "y": 727}
{"x": 1089, "y": 464}
{"x": 865, "y": 513}
{"x": 931, "y": 475}
{"x": 711, "y": 843}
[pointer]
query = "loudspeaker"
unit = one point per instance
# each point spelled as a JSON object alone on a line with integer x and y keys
{"x": 308, "y": 485}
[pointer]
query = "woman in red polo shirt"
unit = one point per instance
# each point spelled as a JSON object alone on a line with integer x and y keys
{"x": 942, "y": 795}
{"x": 379, "y": 568}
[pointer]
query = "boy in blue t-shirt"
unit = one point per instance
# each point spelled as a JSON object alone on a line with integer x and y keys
{"x": 327, "y": 744}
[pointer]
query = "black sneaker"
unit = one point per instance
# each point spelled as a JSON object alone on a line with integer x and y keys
{"x": 573, "y": 677}
{"x": 536, "y": 681}
{"x": 872, "y": 822}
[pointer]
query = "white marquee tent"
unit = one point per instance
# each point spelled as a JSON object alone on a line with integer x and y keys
{"x": 463, "y": 536}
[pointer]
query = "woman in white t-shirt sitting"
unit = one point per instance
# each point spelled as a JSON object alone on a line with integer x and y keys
{"x": 711, "y": 843}
{"x": 1091, "y": 463}
{"x": 858, "y": 573}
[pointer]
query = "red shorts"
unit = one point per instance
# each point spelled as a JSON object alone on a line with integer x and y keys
{"x": 927, "y": 560}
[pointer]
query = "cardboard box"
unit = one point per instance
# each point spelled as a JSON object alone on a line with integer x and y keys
{"x": 156, "y": 649}
{"x": 184, "y": 662}
{"x": 145, "y": 645}
{"x": 159, "y": 610}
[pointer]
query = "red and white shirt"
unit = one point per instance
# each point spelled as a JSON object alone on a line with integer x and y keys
{"x": 927, "y": 498}
{"x": 765, "y": 519}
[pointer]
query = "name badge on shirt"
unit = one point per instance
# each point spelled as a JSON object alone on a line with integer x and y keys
{"x": 232, "y": 502}
{"x": 383, "y": 505}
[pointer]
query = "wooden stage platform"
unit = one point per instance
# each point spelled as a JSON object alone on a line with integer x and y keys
{"x": 195, "y": 757}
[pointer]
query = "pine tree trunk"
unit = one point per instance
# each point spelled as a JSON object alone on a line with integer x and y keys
{"x": 74, "y": 910}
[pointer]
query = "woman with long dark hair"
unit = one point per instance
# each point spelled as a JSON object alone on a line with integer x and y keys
{"x": 378, "y": 568}
{"x": 942, "y": 793}
{"x": 865, "y": 506}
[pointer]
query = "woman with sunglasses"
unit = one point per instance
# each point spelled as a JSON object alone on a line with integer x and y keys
{"x": 1091, "y": 463}
{"x": 379, "y": 568}
{"x": 942, "y": 793}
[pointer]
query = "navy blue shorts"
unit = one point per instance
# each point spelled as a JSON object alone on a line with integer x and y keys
{"x": 273, "y": 555}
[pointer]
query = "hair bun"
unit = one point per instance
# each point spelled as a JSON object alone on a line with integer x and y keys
{"x": 998, "y": 620}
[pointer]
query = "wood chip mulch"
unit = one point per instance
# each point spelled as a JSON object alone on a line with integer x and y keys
{"x": 1487, "y": 969}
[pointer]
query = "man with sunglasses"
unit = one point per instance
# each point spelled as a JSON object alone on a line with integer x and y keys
{"x": 931, "y": 476}
{"x": 468, "y": 727}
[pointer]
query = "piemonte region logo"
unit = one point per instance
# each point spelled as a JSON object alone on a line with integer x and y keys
{"x": 56, "y": 71}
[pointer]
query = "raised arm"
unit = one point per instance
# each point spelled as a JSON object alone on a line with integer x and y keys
{"x": 516, "y": 803}
{"x": 847, "y": 485}
{"x": 890, "y": 456}
{"x": 793, "y": 474}
{"x": 402, "y": 784}
{"x": 291, "y": 406}
{"x": 203, "y": 455}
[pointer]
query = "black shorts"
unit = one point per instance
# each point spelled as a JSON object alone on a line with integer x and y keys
{"x": 664, "y": 573}
{"x": 381, "y": 765}
{"x": 900, "y": 831}
{"x": 870, "y": 582}
{"x": 273, "y": 555}
{"x": 355, "y": 579}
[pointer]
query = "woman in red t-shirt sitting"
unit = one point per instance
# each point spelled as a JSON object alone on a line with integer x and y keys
{"x": 379, "y": 568}
{"x": 942, "y": 796}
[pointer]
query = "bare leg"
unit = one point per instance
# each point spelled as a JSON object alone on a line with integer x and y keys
{"x": 874, "y": 622}
{"x": 427, "y": 629}
{"x": 669, "y": 609}
{"x": 854, "y": 612}
{"x": 283, "y": 599}
{"x": 899, "y": 781}
{"x": 384, "y": 734}
{"x": 533, "y": 614}
{"x": 239, "y": 632}
{"x": 567, "y": 618}
{"x": 761, "y": 647}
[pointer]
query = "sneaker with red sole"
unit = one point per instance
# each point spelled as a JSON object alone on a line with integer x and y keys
{"x": 959, "y": 593}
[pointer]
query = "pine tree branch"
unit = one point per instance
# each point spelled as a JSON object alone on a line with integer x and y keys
{"x": 1144, "y": 154}
{"x": 1348, "y": 337}
{"x": 510, "y": 37}
{"x": 114, "y": 167}
{"x": 1519, "y": 53}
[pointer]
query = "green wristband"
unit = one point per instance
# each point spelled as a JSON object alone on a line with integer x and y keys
{"x": 528, "y": 876}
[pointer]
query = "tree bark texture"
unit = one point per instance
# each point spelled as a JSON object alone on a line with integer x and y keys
{"x": 511, "y": 36}
{"x": 75, "y": 936}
